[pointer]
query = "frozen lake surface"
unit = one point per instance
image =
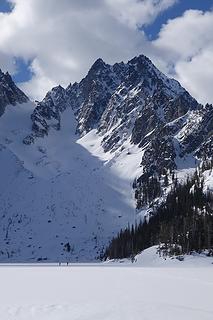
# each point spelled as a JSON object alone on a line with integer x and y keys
{"x": 108, "y": 292}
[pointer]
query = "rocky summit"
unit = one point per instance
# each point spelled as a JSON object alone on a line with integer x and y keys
{"x": 10, "y": 94}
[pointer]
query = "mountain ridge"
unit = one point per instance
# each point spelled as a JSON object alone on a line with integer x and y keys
{"x": 9, "y": 92}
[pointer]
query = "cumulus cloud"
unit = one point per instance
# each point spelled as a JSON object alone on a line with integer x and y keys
{"x": 63, "y": 38}
{"x": 138, "y": 13}
{"x": 7, "y": 63}
{"x": 185, "y": 50}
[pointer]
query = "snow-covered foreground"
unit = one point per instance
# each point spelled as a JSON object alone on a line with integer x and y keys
{"x": 79, "y": 292}
{"x": 151, "y": 258}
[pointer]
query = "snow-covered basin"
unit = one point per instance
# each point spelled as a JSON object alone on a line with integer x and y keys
{"x": 168, "y": 291}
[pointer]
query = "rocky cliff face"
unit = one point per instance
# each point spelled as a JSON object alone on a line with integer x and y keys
{"x": 125, "y": 101}
{"x": 10, "y": 94}
{"x": 135, "y": 103}
{"x": 196, "y": 135}
{"x": 110, "y": 96}
{"x": 47, "y": 114}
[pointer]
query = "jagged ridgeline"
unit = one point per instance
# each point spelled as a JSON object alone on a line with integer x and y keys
{"x": 184, "y": 223}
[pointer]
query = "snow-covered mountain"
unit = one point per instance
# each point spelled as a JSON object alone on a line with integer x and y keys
{"x": 69, "y": 162}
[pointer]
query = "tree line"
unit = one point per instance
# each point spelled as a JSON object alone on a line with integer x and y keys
{"x": 183, "y": 223}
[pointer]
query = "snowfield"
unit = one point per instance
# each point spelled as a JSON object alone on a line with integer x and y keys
{"x": 121, "y": 291}
{"x": 59, "y": 190}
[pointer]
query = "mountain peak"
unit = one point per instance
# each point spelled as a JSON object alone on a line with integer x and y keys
{"x": 58, "y": 88}
{"x": 97, "y": 65}
{"x": 10, "y": 93}
{"x": 138, "y": 59}
{"x": 99, "y": 61}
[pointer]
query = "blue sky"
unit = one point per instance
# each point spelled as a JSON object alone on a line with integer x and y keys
{"x": 4, "y": 6}
{"x": 24, "y": 71}
{"x": 177, "y": 10}
{"x": 59, "y": 49}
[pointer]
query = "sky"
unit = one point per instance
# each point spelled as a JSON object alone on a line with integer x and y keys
{"x": 51, "y": 42}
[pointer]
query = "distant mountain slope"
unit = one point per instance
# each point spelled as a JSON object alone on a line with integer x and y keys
{"x": 91, "y": 158}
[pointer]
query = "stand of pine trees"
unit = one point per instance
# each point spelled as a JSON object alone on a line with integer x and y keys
{"x": 148, "y": 187}
{"x": 184, "y": 223}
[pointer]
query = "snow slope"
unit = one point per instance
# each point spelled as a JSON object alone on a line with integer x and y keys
{"x": 105, "y": 293}
{"x": 151, "y": 258}
{"x": 60, "y": 190}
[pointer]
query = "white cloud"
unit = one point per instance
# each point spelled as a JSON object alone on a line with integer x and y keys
{"x": 7, "y": 63}
{"x": 39, "y": 84}
{"x": 63, "y": 38}
{"x": 186, "y": 43}
{"x": 138, "y": 13}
